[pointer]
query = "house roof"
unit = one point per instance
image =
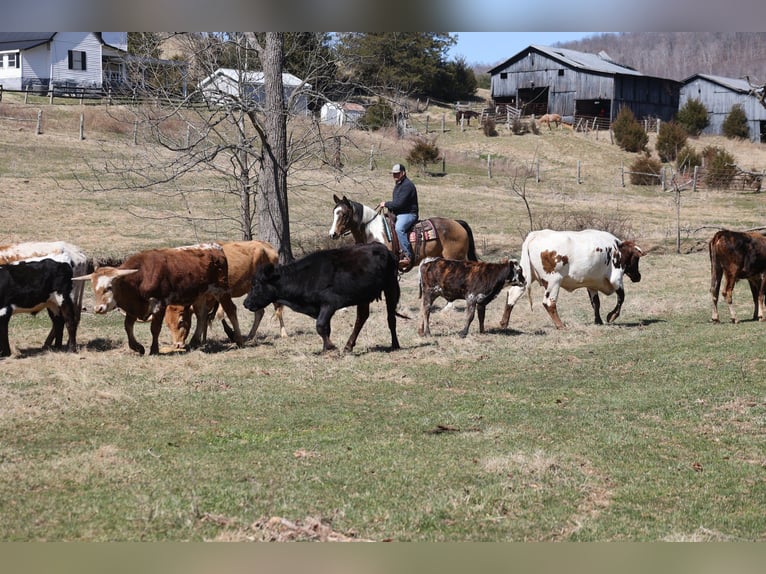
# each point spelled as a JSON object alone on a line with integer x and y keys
{"x": 26, "y": 40}
{"x": 250, "y": 77}
{"x": 600, "y": 63}
{"x": 734, "y": 84}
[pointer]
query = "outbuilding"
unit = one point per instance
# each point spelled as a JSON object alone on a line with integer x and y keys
{"x": 719, "y": 94}
{"x": 541, "y": 79}
{"x": 243, "y": 85}
{"x": 341, "y": 113}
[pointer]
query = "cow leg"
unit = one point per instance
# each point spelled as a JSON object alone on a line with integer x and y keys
{"x": 715, "y": 287}
{"x": 257, "y": 318}
{"x": 69, "y": 318}
{"x": 728, "y": 292}
{"x": 5, "y": 318}
{"x": 424, "y": 329}
{"x": 130, "y": 321}
{"x": 481, "y": 311}
{"x": 231, "y": 312}
{"x": 470, "y": 311}
{"x": 761, "y": 293}
{"x": 614, "y": 313}
{"x": 514, "y": 294}
{"x": 756, "y": 284}
{"x": 362, "y": 314}
{"x": 549, "y": 302}
{"x": 323, "y": 327}
{"x": 55, "y": 337}
{"x": 279, "y": 312}
{"x": 595, "y": 302}
{"x": 156, "y": 326}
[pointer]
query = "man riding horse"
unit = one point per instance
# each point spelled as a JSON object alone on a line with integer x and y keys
{"x": 404, "y": 204}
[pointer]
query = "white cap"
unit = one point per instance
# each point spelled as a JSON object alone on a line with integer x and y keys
{"x": 397, "y": 168}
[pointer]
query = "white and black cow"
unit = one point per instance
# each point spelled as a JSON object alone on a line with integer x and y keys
{"x": 477, "y": 282}
{"x": 30, "y": 287}
{"x": 321, "y": 283}
{"x": 593, "y": 259}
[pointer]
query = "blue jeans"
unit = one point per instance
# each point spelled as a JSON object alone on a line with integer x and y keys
{"x": 404, "y": 223}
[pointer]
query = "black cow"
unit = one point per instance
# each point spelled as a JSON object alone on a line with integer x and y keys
{"x": 31, "y": 286}
{"x": 323, "y": 282}
{"x": 475, "y": 281}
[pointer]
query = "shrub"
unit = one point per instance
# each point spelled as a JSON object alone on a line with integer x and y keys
{"x": 645, "y": 171}
{"x": 489, "y": 128}
{"x": 693, "y": 117}
{"x": 735, "y": 124}
{"x": 628, "y": 132}
{"x": 670, "y": 140}
{"x": 720, "y": 167}
{"x": 378, "y": 115}
{"x": 688, "y": 158}
{"x": 423, "y": 152}
{"x": 519, "y": 128}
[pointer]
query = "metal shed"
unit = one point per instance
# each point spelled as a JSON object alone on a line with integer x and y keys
{"x": 540, "y": 79}
{"x": 719, "y": 94}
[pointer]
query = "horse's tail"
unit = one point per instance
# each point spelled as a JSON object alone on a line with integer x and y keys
{"x": 471, "y": 245}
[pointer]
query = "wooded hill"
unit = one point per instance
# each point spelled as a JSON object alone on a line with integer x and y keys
{"x": 678, "y": 55}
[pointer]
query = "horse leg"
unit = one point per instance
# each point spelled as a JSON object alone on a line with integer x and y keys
{"x": 595, "y": 302}
{"x": 362, "y": 313}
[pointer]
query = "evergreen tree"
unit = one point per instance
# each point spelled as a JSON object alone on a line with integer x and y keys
{"x": 735, "y": 124}
{"x": 693, "y": 117}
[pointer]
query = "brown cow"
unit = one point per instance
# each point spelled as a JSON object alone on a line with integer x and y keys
{"x": 738, "y": 255}
{"x": 477, "y": 282}
{"x": 147, "y": 282}
{"x": 243, "y": 259}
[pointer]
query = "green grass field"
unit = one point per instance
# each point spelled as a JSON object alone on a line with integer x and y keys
{"x": 650, "y": 429}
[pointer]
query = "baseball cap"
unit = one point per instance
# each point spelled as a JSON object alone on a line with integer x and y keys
{"x": 397, "y": 168}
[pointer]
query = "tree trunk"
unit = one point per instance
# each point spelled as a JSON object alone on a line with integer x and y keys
{"x": 273, "y": 214}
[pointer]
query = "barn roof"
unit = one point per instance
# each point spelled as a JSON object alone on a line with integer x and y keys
{"x": 734, "y": 84}
{"x": 600, "y": 63}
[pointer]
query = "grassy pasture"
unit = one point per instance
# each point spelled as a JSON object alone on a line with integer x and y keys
{"x": 648, "y": 429}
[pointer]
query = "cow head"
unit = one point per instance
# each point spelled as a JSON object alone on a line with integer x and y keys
{"x": 178, "y": 320}
{"x": 515, "y": 275}
{"x": 102, "y": 280}
{"x": 630, "y": 253}
{"x": 263, "y": 289}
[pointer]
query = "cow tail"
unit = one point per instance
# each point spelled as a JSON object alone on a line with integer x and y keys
{"x": 471, "y": 244}
{"x": 526, "y": 269}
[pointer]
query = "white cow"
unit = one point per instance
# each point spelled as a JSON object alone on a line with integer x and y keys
{"x": 593, "y": 259}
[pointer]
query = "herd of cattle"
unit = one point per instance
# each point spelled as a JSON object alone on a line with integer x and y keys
{"x": 169, "y": 285}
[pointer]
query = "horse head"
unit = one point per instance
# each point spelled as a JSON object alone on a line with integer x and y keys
{"x": 342, "y": 217}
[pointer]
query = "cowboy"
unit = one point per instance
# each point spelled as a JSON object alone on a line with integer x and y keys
{"x": 404, "y": 204}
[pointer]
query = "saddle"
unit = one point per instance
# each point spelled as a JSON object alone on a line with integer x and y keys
{"x": 421, "y": 232}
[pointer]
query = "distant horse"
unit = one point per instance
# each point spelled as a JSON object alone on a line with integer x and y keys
{"x": 467, "y": 114}
{"x": 548, "y": 118}
{"x": 434, "y": 237}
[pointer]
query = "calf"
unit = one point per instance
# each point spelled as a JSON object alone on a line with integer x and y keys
{"x": 323, "y": 282}
{"x": 147, "y": 282}
{"x": 475, "y": 281}
{"x": 738, "y": 255}
{"x": 593, "y": 259}
{"x": 243, "y": 258}
{"x": 30, "y": 287}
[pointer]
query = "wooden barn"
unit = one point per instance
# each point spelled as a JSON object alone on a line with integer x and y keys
{"x": 540, "y": 80}
{"x": 719, "y": 95}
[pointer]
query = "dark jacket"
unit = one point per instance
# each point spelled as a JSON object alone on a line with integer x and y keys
{"x": 405, "y": 198}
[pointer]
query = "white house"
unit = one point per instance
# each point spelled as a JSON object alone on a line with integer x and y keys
{"x": 227, "y": 81}
{"x": 341, "y": 113}
{"x": 40, "y": 60}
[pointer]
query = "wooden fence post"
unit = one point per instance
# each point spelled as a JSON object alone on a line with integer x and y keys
{"x": 1, "y": 92}
{"x": 427, "y": 118}
{"x": 694, "y": 179}
{"x": 26, "y": 95}
{"x": 622, "y": 173}
{"x": 579, "y": 180}
{"x": 537, "y": 171}
{"x": 444, "y": 164}
{"x": 444, "y": 122}
{"x": 489, "y": 165}
{"x": 372, "y": 158}
{"x": 82, "y": 127}
{"x": 39, "y": 128}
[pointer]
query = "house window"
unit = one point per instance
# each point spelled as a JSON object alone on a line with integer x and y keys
{"x": 503, "y": 75}
{"x": 77, "y": 60}
{"x": 561, "y": 72}
{"x": 13, "y": 60}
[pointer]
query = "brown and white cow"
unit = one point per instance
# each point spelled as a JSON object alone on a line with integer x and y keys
{"x": 59, "y": 251}
{"x": 738, "y": 255}
{"x": 596, "y": 260}
{"x": 147, "y": 282}
{"x": 477, "y": 282}
{"x": 243, "y": 260}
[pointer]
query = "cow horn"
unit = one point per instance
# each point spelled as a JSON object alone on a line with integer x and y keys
{"x": 83, "y": 277}
{"x": 123, "y": 272}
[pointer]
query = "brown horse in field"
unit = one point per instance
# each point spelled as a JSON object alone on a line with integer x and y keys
{"x": 467, "y": 114}
{"x": 548, "y": 118}
{"x": 434, "y": 237}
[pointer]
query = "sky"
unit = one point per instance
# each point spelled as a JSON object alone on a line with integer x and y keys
{"x": 496, "y": 47}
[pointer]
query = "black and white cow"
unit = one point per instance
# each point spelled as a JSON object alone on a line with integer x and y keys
{"x": 321, "y": 283}
{"x": 477, "y": 282}
{"x": 596, "y": 260}
{"x": 30, "y": 287}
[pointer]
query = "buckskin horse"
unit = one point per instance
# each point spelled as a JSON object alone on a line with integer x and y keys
{"x": 433, "y": 237}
